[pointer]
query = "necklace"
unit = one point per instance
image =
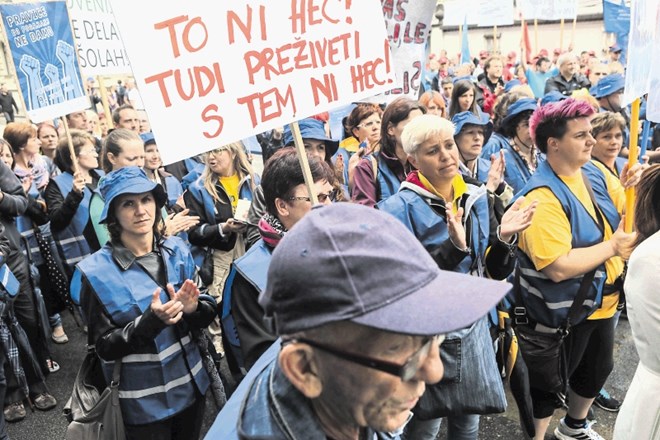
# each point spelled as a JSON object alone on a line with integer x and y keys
{"x": 535, "y": 160}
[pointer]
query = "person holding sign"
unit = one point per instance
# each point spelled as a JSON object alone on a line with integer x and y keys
{"x": 221, "y": 197}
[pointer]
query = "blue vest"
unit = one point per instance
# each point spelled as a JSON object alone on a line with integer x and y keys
{"x": 516, "y": 172}
{"x": 495, "y": 143}
{"x": 162, "y": 378}
{"x": 174, "y": 190}
{"x": 548, "y": 302}
{"x": 70, "y": 240}
{"x": 415, "y": 211}
{"x": 253, "y": 266}
{"x": 387, "y": 182}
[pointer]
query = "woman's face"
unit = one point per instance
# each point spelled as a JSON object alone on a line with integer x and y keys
{"x": 48, "y": 137}
{"x": 136, "y": 214}
{"x": 465, "y": 100}
{"x": 131, "y": 155}
{"x": 437, "y": 158}
{"x": 608, "y": 145}
{"x": 152, "y": 157}
{"x": 88, "y": 158}
{"x": 522, "y": 131}
{"x": 368, "y": 129}
{"x": 7, "y": 156}
{"x": 32, "y": 146}
{"x": 470, "y": 141}
{"x": 221, "y": 162}
{"x": 396, "y": 130}
{"x": 433, "y": 108}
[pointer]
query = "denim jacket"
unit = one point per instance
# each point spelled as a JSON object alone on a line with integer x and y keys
{"x": 272, "y": 408}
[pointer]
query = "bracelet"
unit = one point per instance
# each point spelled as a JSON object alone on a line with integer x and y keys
{"x": 511, "y": 244}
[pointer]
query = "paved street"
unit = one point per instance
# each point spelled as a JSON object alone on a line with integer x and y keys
{"x": 52, "y": 425}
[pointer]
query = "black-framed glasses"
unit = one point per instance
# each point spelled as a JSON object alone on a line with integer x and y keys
{"x": 405, "y": 371}
{"x": 322, "y": 197}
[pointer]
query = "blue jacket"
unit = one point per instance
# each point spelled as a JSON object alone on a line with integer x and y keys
{"x": 267, "y": 406}
{"x": 483, "y": 168}
{"x": 387, "y": 182}
{"x": 161, "y": 376}
{"x": 548, "y": 302}
{"x": 173, "y": 188}
{"x": 516, "y": 172}
{"x": 70, "y": 240}
{"x": 495, "y": 143}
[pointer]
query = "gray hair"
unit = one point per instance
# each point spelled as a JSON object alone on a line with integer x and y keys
{"x": 566, "y": 56}
{"x": 421, "y": 129}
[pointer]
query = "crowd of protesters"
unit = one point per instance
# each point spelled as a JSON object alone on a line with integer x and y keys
{"x": 335, "y": 317}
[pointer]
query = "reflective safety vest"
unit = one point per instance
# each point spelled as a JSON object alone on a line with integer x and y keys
{"x": 546, "y": 301}
{"x": 70, "y": 240}
{"x": 163, "y": 376}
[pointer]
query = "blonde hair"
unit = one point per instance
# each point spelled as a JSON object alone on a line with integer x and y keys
{"x": 584, "y": 95}
{"x": 421, "y": 129}
{"x": 241, "y": 166}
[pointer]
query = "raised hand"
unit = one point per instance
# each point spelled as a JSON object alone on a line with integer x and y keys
{"x": 516, "y": 219}
{"x": 181, "y": 221}
{"x": 496, "y": 172}
{"x": 71, "y": 79}
{"x": 31, "y": 66}
{"x": 631, "y": 177}
{"x": 456, "y": 229}
{"x": 170, "y": 312}
{"x": 78, "y": 182}
{"x": 53, "y": 75}
{"x": 187, "y": 295}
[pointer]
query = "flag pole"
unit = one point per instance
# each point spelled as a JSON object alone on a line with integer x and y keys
{"x": 536, "y": 35}
{"x": 633, "y": 152}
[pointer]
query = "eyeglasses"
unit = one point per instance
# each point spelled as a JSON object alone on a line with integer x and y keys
{"x": 369, "y": 124}
{"x": 88, "y": 153}
{"x": 405, "y": 372}
{"x": 322, "y": 197}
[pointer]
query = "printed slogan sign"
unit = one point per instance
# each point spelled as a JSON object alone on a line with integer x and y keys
{"x": 208, "y": 79}
{"x": 100, "y": 48}
{"x": 43, "y": 52}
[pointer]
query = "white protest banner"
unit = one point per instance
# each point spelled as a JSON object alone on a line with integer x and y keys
{"x": 641, "y": 54}
{"x": 44, "y": 56}
{"x": 408, "y": 27}
{"x": 456, "y": 11}
{"x": 100, "y": 48}
{"x": 495, "y": 13}
{"x": 208, "y": 79}
{"x": 548, "y": 9}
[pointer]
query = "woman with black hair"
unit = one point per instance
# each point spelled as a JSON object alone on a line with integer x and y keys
{"x": 463, "y": 98}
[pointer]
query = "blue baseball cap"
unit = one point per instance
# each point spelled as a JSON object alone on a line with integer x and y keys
{"x": 348, "y": 260}
{"x": 615, "y": 48}
{"x": 521, "y": 105}
{"x": 128, "y": 180}
{"x": 147, "y": 138}
{"x": 311, "y": 128}
{"x": 511, "y": 84}
{"x": 468, "y": 118}
{"x": 551, "y": 97}
{"x": 608, "y": 85}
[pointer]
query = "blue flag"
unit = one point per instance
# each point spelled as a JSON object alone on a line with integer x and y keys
{"x": 465, "y": 47}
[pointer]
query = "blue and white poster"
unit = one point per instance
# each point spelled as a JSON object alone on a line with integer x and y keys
{"x": 616, "y": 17}
{"x": 44, "y": 55}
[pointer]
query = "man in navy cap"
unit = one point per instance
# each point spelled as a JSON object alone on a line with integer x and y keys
{"x": 361, "y": 309}
{"x": 615, "y": 53}
{"x": 608, "y": 92}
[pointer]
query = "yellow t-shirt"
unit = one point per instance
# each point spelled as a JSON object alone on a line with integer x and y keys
{"x": 549, "y": 236}
{"x": 458, "y": 184}
{"x": 230, "y": 184}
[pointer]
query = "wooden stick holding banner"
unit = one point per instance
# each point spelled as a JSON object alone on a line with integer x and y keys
{"x": 633, "y": 152}
{"x": 573, "y": 30}
{"x": 536, "y": 35}
{"x": 561, "y": 34}
{"x": 494, "y": 39}
{"x": 304, "y": 163}
{"x": 69, "y": 141}
{"x": 104, "y": 100}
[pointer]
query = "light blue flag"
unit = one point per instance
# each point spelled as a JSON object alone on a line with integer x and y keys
{"x": 465, "y": 47}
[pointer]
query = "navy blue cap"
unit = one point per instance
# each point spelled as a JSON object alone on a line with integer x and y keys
{"x": 608, "y": 85}
{"x": 147, "y": 138}
{"x": 615, "y": 48}
{"x": 553, "y": 96}
{"x": 521, "y": 105}
{"x": 128, "y": 180}
{"x": 311, "y": 128}
{"x": 462, "y": 78}
{"x": 348, "y": 262}
{"x": 511, "y": 84}
{"x": 463, "y": 118}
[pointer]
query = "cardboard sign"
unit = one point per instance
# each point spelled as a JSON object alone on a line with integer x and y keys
{"x": 457, "y": 12}
{"x": 548, "y": 9}
{"x": 99, "y": 44}
{"x": 642, "y": 50}
{"x": 208, "y": 79}
{"x": 495, "y": 13}
{"x": 43, "y": 52}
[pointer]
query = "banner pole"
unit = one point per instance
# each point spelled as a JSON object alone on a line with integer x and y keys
{"x": 536, "y": 36}
{"x": 74, "y": 160}
{"x": 573, "y": 30}
{"x": 633, "y": 152}
{"x": 494, "y": 39}
{"x": 561, "y": 35}
{"x": 304, "y": 163}
{"x": 104, "y": 99}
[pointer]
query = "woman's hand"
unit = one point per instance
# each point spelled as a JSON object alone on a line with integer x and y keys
{"x": 456, "y": 229}
{"x": 78, "y": 182}
{"x": 175, "y": 223}
{"x": 170, "y": 312}
{"x": 516, "y": 219}
{"x": 187, "y": 295}
{"x": 27, "y": 183}
{"x": 631, "y": 177}
{"x": 232, "y": 225}
{"x": 496, "y": 172}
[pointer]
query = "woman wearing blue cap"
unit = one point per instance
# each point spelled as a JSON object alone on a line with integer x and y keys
{"x": 142, "y": 300}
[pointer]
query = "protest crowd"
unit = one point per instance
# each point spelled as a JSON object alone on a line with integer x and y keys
{"x": 434, "y": 259}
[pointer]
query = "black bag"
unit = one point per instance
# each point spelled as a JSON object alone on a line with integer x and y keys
{"x": 472, "y": 383}
{"x": 93, "y": 410}
{"x": 206, "y": 270}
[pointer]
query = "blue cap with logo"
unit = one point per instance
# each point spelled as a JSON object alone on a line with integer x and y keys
{"x": 128, "y": 180}
{"x": 551, "y": 97}
{"x": 608, "y": 85}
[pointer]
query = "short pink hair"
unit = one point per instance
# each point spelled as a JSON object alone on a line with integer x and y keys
{"x": 550, "y": 120}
